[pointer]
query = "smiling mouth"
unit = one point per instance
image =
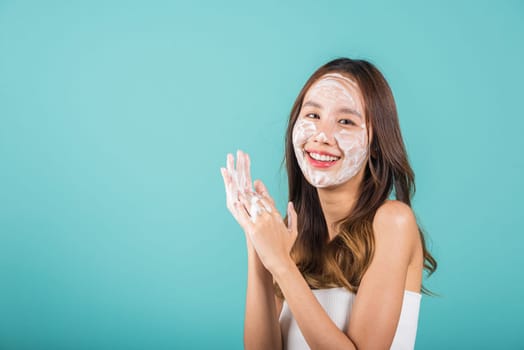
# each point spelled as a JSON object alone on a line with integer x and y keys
{"x": 321, "y": 160}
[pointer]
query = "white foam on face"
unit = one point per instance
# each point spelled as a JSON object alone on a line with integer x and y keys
{"x": 322, "y": 137}
{"x": 333, "y": 91}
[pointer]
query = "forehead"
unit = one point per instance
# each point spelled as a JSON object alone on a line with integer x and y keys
{"x": 335, "y": 87}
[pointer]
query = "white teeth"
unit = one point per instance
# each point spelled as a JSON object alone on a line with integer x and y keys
{"x": 323, "y": 157}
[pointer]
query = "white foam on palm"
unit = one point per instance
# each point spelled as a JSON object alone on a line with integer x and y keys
{"x": 238, "y": 182}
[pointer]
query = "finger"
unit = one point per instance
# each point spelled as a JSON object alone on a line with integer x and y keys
{"x": 232, "y": 176}
{"x": 254, "y": 205}
{"x": 247, "y": 173}
{"x": 240, "y": 170}
{"x": 267, "y": 206}
{"x": 251, "y": 205}
{"x": 230, "y": 194}
{"x": 227, "y": 181}
{"x": 230, "y": 161}
{"x": 245, "y": 202}
{"x": 230, "y": 186}
{"x": 223, "y": 171}
{"x": 243, "y": 217}
{"x": 264, "y": 204}
{"x": 261, "y": 189}
{"x": 292, "y": 219}
{"x": 231, "y": 171}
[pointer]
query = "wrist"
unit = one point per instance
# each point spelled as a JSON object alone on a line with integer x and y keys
{"x": 256, "y": 264}
{"x": 285, "y": 267}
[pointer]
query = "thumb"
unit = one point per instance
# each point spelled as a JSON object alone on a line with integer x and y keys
{"x": 292, "y": 222}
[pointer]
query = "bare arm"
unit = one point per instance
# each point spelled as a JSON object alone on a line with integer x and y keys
{"x": 377, "y": 306}
{"x": 269, "y": 244}
{"x": 261, "y": 326}
{"x": 316, "y": 326}
{"x": 378, "y": 303}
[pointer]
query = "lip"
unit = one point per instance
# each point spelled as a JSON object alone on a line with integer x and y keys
{"x": 319, "y": 164}
{"x": 321, "y": 152}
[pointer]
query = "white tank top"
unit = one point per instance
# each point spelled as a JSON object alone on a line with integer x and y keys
{"x": 338, "y": 302}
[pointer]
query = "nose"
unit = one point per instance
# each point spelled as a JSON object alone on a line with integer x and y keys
{"x": 325, "y": 133}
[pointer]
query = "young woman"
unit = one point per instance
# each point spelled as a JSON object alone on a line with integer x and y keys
{"x": 344, "y": 269}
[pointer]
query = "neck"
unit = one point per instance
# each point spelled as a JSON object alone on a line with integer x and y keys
{"x": 337, "y": 203}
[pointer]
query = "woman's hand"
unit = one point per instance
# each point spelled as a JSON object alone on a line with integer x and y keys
{"x": 271, "y": 238}
{"x": 238, "y": 180}
{"x": 256, "y": 213}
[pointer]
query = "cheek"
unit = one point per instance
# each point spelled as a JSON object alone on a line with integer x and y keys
{"x": 350, "y": 141}
{"x": 302, "y": 131}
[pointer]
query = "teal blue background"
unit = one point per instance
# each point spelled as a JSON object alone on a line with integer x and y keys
{"x": 115, "y": 118}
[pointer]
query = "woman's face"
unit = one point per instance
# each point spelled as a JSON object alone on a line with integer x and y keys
{"x": 330, "y": 135}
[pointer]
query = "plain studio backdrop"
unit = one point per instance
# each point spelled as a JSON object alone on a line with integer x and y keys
{"x": 116, "y": 116}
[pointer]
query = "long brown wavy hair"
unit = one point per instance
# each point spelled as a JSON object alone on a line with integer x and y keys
{"x": 343, "y": 261}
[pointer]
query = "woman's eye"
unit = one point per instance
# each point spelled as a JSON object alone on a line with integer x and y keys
{"x": 346, "y": 122}
{"x": 312, "y": 115}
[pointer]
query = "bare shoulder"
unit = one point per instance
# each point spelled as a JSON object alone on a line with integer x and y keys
{"x": 381, "y": 291}
{"x": 395, "y": 226}
{"x": 394, "y": 212}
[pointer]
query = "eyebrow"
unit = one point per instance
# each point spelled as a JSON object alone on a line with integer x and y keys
{"x": 344, "y": 110}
